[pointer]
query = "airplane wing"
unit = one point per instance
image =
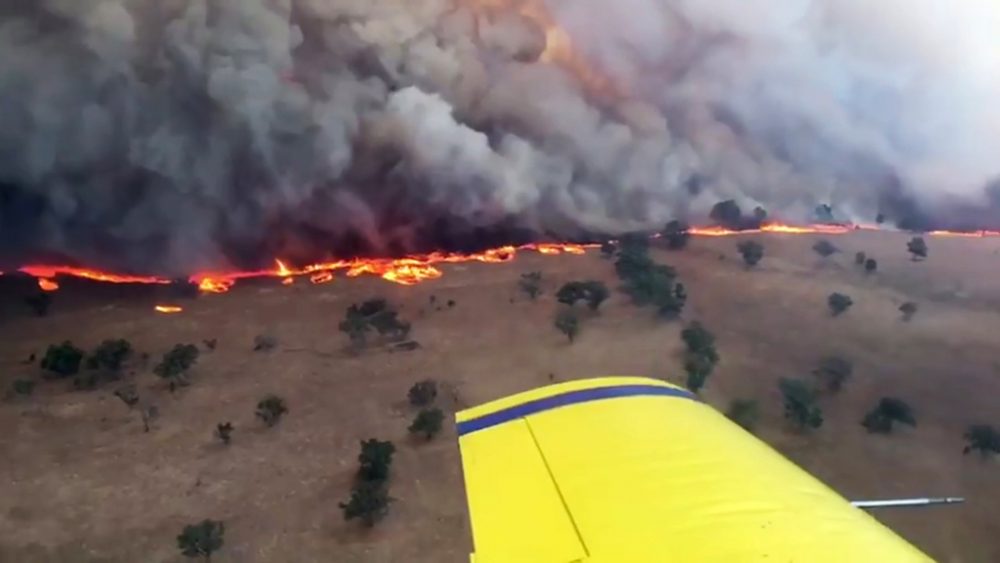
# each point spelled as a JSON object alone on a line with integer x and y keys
{"x": 630, "y": 469}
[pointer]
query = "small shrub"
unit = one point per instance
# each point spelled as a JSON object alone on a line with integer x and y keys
{"x": 174, "y": 365}
{"x": 677, "y": 235}
{"x": 918, "y": 248}
{"x": 202, "y": 539}
{"x": 128, "y": 395}
{"x": 568, "y": 323}
{"x": 375, "y": 460}
{"x": 744, "y": 412}
{"x": 422, "y": 393}
{"x": 23, "y": 387}
{"x": 270, "y": 409}
{"x": 264, "y": 342}
{"x": 39, "y": 303}
{"x": 110, "y": 355}
{"x": 888, "y": 411}
{"x": 839, "y": 303}
{"x": 369, "y": 502}
{"x": 834, "y": 372}
{"x": 62, "y": 360}
{"x": 871, "y": 266}
{"x": 908, "y": 309}
{"x": 825, "y": 248}
{"x": 531, "y": 284}
{"x": 982, "y": 438}
{"x": 860, "y": 258}
{"x": 224, "y": 432}
{"x": 800, "y": 404}
{"x": 428, "y": 422}
{"x": 751, "y": 251}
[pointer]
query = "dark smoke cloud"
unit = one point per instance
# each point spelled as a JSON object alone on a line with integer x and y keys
{"x": 180, "y": 135}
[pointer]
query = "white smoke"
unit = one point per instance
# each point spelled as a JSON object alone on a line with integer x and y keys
{"x": 185, "y": 134}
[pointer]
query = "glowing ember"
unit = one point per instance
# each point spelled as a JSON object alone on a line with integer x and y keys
{"x": 168, "y": 309}
{"x": 47, "y": 284}
{"x": 969, "y": 234}
{"x": 214, "y": 285}
{"x": 322, "y": 277}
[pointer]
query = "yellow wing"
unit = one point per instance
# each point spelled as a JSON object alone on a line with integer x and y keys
{"x": 629, "y": 469}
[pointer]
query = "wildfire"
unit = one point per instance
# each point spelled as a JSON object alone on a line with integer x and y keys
{"x": 409, "y": 270}
{"x": 168, "y": 309}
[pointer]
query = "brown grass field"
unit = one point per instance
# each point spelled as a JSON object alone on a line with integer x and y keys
{"x": 81, "y": 482}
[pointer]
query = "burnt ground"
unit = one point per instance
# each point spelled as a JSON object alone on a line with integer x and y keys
{"x": 82, "y": 482}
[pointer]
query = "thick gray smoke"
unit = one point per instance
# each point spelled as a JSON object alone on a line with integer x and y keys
{"x": 179, "y": 135}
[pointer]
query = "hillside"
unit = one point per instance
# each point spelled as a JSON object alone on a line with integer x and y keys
{"x": 82, "y": 482}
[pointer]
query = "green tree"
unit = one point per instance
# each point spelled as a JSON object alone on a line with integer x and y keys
{"x": 860, "y": 258}
{"x": 62, "y": 360}
{"x": 888, "y": 411}
{"x": 22, "y": 387}
{"x": 982, "y": 438}
{"x": 369, "y": 502}
{"x": 727, "y": 214}
{"x": 908, "y": 309}
{"x": 224, "y": 432}
{"x": 356, "y": 328}
{"x": 375, "y": 459}
{"x": 800, "y": 404}
{"x": 422, "y": 393}
{"x": 834, "y": 371}
{"x": 593, "y": 292}
{"x": 427, "y": 422}
{"x": 698, "y": 339}
{"x": 175, "y": 364}
{"x": 202, "y": 539}
{"x": 670, "y": 303}
{"x": 918, "y": 248}
{"x": 744, "y": 412}
{"x": 676, "y": 234}
{"x": 839, "y": 303}
{"x": 531, "y": 284}
{"x": 110, "y": 355}
{"x": 568, "y": 323}
{"x": 270, "y": 409}
{"x": 751, "y": 251}
{"x": 698, "y": 369}
{"x": 871, "y": 265}
{"x": 825, "y": 248}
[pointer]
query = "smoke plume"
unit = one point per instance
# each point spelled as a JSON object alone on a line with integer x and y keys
{"x": 180, "y": 135}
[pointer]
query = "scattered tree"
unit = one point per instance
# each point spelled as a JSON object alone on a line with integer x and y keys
{"x": 800, "y": 404}
{"x": 375, "y": 460}
{"x": 110, "y": 355}
{"x": 908, "y": 309}
{"x": 751, "y": 251}
{"x": 264, "y": 342}
{"x": 824, "y": 213}
{"x": 669, "y": 304}
{"x": 825, "y": 248}
{"x": 175, "y": 364}
{"x": 698, "y": 368}
{"x": 871, "y": 265}
{"x": 701, "y": 357}
{"x": 880, "y": 218}
{"x": 128, "y": 395}
{"x": 428, "y": 422}
{"x": 982, "y": 438}
{"x": 744, "y": 412}
{"x": 531, "y": 284}
{"x": 224, "y": 432}
{"x": 593, "y": 292}
{"x": 62, "y": 360}
{"x": 888, "y": 410}
{"x": 677, "y": 235}
{"x": 860, "y": 258}
{"x": 698, "y": 339}
{"x": 270, "y": 409}
{"x": 918, "y": 248}
{"x": 834, "y": 371}
{"x": 356, "y": 328}
{"x": 359, "y": 319}
{"x": 759, "y": 216}
{"x": 422, "y": 393}
{"x": 568, "y": 323}
{"x": 608, "y": 249}
{"x": 727, "y": 214}
{"x": 22, "y": 387}
{"x": 202, "y": 539}
{"x": 149, "y": 413}
{"x": 369, "y": 502}
{"x": 39, "y": 303}
{"x": 839, "y": 303}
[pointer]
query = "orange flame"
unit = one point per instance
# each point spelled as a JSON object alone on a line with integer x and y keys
{"x": 48, "y": 285}
{"x": 168, "y": 309}
{"x": 413, "y": 269}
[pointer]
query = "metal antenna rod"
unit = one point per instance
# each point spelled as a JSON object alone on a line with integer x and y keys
{"x": 921, "y": 501}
